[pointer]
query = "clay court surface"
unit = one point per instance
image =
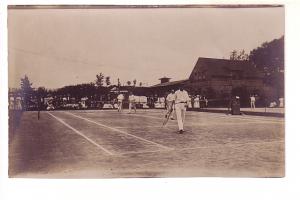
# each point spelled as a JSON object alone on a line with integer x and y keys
{"x": 108, "y": 144}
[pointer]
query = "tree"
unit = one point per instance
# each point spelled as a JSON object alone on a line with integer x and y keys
{"x": 241, "y": 55}
{"x": 134, "y": 82}
{"x": 128, "y": 83}
{"x": 107, "y": 81}
{"x": 80, "y": 90}
{"x": 100, "y": 79}
{"x": 269, "y": 56}
{"x": 233, "y": 55}
{"x": 141, "y": 84}
{"x": 26, "y": 91}
{"x": 41, "y": 92}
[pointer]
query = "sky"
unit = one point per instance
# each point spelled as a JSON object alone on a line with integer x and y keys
{"x": 59, "y": 47}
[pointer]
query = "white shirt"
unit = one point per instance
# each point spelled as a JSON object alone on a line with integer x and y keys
{"x": 171, "y": 97}
{"x": 281, "y": 99}
{"x": 181, "y": 96}
{"x": 120, "y": 97}
{"x": 131, "y": 98}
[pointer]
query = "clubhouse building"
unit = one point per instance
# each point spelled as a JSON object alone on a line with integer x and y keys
{"x": 217, "y": 78}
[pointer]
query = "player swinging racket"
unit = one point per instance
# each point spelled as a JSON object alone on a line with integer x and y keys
{"x": 170, "y": 104}
{"x": 170, "y": 107}
{"x": 181, "y": 99}
{"x": 132, "y": 104}
{"x": 120, "y": 102}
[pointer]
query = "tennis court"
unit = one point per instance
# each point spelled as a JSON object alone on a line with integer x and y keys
{"x": 108, "y": 144}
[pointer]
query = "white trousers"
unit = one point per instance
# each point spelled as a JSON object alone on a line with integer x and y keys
{"x": 180, "y": 114}
{"x": 120, "y": 105}
{"x": 252, "y": 104}
{"x": 132, "y": 105}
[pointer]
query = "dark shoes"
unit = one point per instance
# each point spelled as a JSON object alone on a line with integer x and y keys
{"x": 180, "y": 131}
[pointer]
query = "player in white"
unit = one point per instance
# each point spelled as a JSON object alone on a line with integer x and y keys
{"x": 197, "y": 102}
{"x": 120, "y": 102}
{"x": 171, "y": 104}
{"x": 131, "y": 99}
{"x": 281, "y": 104}
{"x": 252, "y": 101}
{"x": 181, "y": 99}
{"x": 189, "y": 103}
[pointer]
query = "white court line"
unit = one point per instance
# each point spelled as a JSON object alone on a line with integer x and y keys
{"x": 81, "y": 134}
{"x": 254, "y": 120}
{"x": 232, "y": 145}
{"x": 119, "y": 131}
{"x": 158, "y": 118}
{"x": 266, "y": 119}
{"x": 135, "y": 127}
{"x": 189, "y": 124}
{"x": 143, "y": 152}
{"x": 138, "y": 115}
{"x": 218, "y": 116}
{"x": 227, "y": 123}
{"x": 134, "y": 114}
{"x": 151, "y": 117}
{"x": 204, "y": 147}
{"x": 243, "y": 118}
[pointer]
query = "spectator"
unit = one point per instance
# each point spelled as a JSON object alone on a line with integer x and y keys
{"x": 120, "y": 99}
{"x": 197, "y": 102}
{"x": 281, "y": 103}
{"x": 132, "y": 104}
{"x": 205, "y": 101}
{"x": 252, "y": 101}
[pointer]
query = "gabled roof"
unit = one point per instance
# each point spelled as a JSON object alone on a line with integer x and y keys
{"x": 224, "y": 67}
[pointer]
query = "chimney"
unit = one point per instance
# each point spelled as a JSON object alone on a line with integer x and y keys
{"x": 164, "y": 80}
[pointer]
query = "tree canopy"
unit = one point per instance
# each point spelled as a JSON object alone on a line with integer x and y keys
{"x": 26, "y": 91}
{"x": 269, "y": 56}
{"x": 26, "y": 85}
{"x": 107, "y": 81}
{"x": 100, "y": 79}
{"x": 241, "y": 55}
{"x": 80, "y": 90}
